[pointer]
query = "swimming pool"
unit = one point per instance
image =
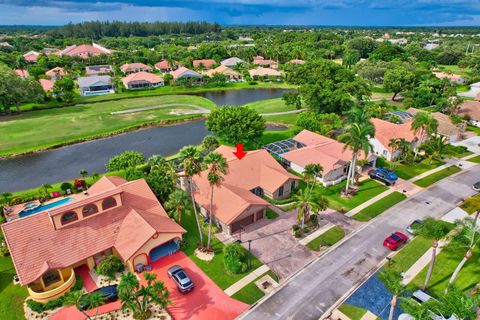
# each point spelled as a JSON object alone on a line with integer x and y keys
{"x": 44, "y": 207}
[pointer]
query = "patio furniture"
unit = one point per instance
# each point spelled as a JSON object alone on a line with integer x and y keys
{"x": 139, "y": 267}
{"x": 147, "y": 268}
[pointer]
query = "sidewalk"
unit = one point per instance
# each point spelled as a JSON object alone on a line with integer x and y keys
{"x": 359, "y": 208}
{"x": 461, "y": 162}
{"x": 315, "y": 234}
{"x": 246, "y": 280}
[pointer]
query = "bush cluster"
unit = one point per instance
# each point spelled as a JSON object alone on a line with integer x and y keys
{"x": 109, "y": 266}
{"x": 234, "y": 258}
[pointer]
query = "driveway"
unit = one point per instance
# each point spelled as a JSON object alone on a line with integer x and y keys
{"x": 274, "y": 244}
{"x": 206, "y": 301}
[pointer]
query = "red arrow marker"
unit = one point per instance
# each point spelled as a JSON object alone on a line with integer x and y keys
{"x": 240, "y": 153}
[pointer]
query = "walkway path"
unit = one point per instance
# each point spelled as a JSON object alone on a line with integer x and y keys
{"x": 359, "y": 208}
{"x": 461, "y": 162}
{"x": 316, "y": 234}
{"x": 246, "y": 280}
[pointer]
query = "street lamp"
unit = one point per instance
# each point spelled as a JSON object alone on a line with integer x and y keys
{"x": 249, "y": 253}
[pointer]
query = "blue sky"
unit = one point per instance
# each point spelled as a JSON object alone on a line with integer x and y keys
{"x": 228, "y": 12}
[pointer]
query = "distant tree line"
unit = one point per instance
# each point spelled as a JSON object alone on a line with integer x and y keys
{"x": 100, "y": 29}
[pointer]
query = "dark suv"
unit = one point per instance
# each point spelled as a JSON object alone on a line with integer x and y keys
{"x": 384, "y": 175}
{"x": 109, "y": 293}
{"x": 181, "y": 279}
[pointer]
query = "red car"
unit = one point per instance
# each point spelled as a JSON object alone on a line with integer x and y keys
{"x": 395, "y": 240}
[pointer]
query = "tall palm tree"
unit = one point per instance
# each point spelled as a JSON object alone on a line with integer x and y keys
{"x": 311, "y": 174}
{"x": 218, "y": 166}
{"x": 45, "y": 187}
{"x": 424, "y": 124}
{"x": 455, "y": 302}
{"x": 176, "y": 204}
{"x": 307, "y": 202}
{"x": 393, "y": 281}
{"x": 83, "y": 173}
{"x": 356, "y": 138}
{"x": 435, "y": 148}
{"x": 471, "y": 237}
{"x": 433, "y": 230}
{"x": 192, "y": 164}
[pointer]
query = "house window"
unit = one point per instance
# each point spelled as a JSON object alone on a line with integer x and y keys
{"x": 384, "y": 152}
{"x": 89, "y": 209}
{"x": 50, "y": 277}
{"x": 68, "y": 217}
{"x": 109, "y": 203}
{"x": 280, "y": 191}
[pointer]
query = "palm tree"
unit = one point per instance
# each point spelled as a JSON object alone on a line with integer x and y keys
{"x": 95, "y": 176}
{"x": 356, "y": 138}
{"x": 94, "y": 300}
{"x": 307, "y": 202}
{"x": 176, "y": 204}
{"x": 393, "y": 281}
{"x": 84, "y": 173}
{"x": 218, "y": 166}
{"x": 435, "y": 148}
{"x": 6, "y": 197}
{"x": 456, "y": 303}
{"x": 471, "y": 237}
{"x": 311, "y": 173}
{"x": 434, "y": 230}
{"x": 192, "y": 164}
{"x": 424, "y": 124}
{"x": 45, "y": 187}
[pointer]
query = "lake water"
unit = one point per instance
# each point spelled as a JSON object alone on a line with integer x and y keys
{"x": 65, "y": 163}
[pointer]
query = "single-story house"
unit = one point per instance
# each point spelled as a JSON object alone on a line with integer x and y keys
{"x": 95, "y": 85}
{"x": 142, "y": 80}
{"x": 260, "y": 61}
{"x": 431, "y": 46}
{"x": 85, "y": 50}
{"x": 264, "y": 72}
{"x": 114, "y": 217}
{"x": 238, "y": 199}
{"x": 165, "y": 66}
{"x": 296, "y": 61}
{"x": 98, "y": 70}
{"x": 231, "y": 74}
{"x": 446, "y": 127}
{"x": 385, "y": 131}
{"x": 204, "y": 63}
{"x": 471, "y": 110}
{"x": 56, "y": 73}
{"x": 129, "y": 68}
{"x": 311, "y": 148}
{"x": 183, "y": 72}
{"x": 232, "y": 62}
{"x": 6, "y": 45}
{"x": 22, "y": 73}
{"x": 47, "y": 84}
{"x": 456, "y": 78}
{"x": 31, "y": 56}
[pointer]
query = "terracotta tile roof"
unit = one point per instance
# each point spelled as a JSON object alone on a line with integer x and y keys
{"x": 36, "y": 246}
{"x": 207, "y": 63}
{"x": 165, "y": 65}
{"x": 85, "y": 50}
{"x": 231, "y": 62}
{"x": 182, "y": 71}
{"x": 233, "y": 196}
{"x": 57, "y": 71}
{"x": 31, "y": 56}
{"x": 22, "y": 73}
{"x": 127, "y": 67}
{"x": 264, "y": 72}
{"x": 296, "y": 61}
{"x": 47, "y": 85}
{"x": 445, "y": 125}
{"x": 449, "y": 76}
{"x": 223, "y": 70}
{"x": 470, "y": 108}
{"x": 142, "y": 76}
{"x": 263, "y": 62}
{"x": 386, "y": 131}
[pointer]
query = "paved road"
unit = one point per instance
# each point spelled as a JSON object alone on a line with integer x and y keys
{"x": 310, "y": 293}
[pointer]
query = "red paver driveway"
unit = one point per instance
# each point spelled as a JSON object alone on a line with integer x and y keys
{"x": 206, "y": 301}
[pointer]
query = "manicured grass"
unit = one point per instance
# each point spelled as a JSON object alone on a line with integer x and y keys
{"x": 33, "y": 130}
{"x": 475, "y": 159}
{"x": 409, "y": 254}
{"x": 446, "y": 262}
{"x": 283, "y": 118}
{"x": 456, "y": 151}
{"x": 455, "y": 69}
{"x": 272, "y": 136}
{"x": 214, "y": 269}
{"x": 379, "y": 207}
{"x": 251, "y": 293}
{"x": 368, "y": 189}
{"x": 474, "y": 129}
{"x": 353, "y": 312}
{"x": 471, "y": 205}
{"x": 437, "y": 176}
{"x": 270, "y": 105}
{"x": 12, "y": 296}
{"x": 408, "y": 171}
{"x": 271, "y": 214}
{"x": 327, "y": 239}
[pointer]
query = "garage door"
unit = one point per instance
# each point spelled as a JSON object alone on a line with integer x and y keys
{"x": 236, "y": 226}
{"x": 163, "y": 250}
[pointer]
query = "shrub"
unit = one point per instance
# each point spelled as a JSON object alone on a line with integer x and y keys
{"x": 40, "y": 307}
{"x": 125, "y": 160}
{"x": 314, "y": 219}
{"x": 4, "y": 251}
{"x": 204, "y": 226}
{"x": 65, "y": 186}
{"x": 53, "y": 304}
{"x": 252, "y": 83}
{"x": 298, "y": 233}
{"x": 35, "y": 306}
{"x": 78, "y": 284}
{"x": 295, "y": 227}
{"x": 234, "y": 258}
{"x": 109, "y": 266}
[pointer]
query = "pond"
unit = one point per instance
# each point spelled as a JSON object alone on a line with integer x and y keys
{"x": 64, "y": 163}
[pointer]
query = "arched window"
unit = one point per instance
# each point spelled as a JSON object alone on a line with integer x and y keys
{"x": 109, "y": 203}
{"x": 68, "y": 217}
{"x": 89, "y": 209}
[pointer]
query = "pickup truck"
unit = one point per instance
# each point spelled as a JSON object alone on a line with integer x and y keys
{"x": 384, "y": 175}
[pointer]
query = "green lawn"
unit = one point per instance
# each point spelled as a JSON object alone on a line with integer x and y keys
{"x": 283, "y": 118}
{"x": 12, "y": 296}
{"x": 251, "y": 293}
{"x": 272, "y": 136}
{"x": 455, "y": 69}
{"x": 446, "y": 262}
{"x": 437, "y": 176}
{"x": 379, "y": 207}
{"x": 475, "y": 159}
{"x": 408, "y": 171}
{"x": 368, "y": 189}
{"x": 271, "y": 214}
{"x": 472, "y": 204}
{"x": 456, "y": 151}
{"x": 353, "y": 312}
{"x": 409, "y": 254}
{"x": 474, "y": 129}
{"x": 214, "y": 269}
{"x": 270, "y": 105}
{"x": 33, "y": 130}
{"x": 327, "y": 239}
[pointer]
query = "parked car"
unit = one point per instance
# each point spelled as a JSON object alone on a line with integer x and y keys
{"x": 384, "y": 175}
{"x": 476, "y": 186}
{"x": 181, "y": 279}
{"x": 109, "y": 293}
{"x": 413, "y": 227}
{"x": 395, "y": 240}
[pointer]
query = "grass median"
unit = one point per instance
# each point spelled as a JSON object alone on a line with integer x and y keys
{"x": 437, "y": 176}
{"x": 251, "y": 293}
{"x": 327, "y": 239}
{"x": 379, "y": 207}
